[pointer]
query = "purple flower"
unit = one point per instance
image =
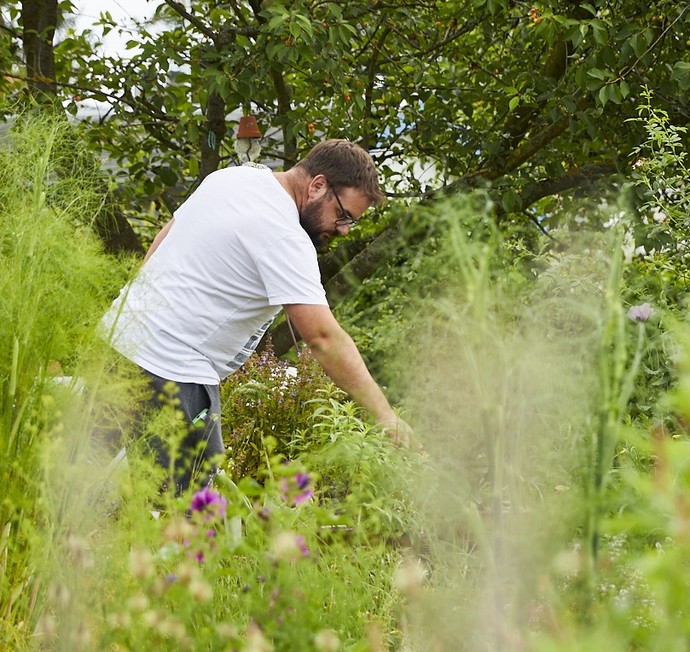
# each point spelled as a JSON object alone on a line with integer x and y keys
{"x": 284, "y": 488}
{"x": 302, "y": 545}
{"x": 640, "y": 313}
{"x": 207, "y": 500}
{"x": 296, "y": 490}
{"x": 303, "y": 497}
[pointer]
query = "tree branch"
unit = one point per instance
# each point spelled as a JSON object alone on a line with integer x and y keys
{"x": 654, "y": 44}
{"x": 574, "y": 178}
{"x": 191, "y": 18}
{"x": 372, "y": 69}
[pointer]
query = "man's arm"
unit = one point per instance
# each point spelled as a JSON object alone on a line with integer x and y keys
{"x": 337, "y": 353}
{"x": 158, "y": 239}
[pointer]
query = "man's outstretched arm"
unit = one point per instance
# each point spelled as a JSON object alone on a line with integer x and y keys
{"x": 337, "y": 353}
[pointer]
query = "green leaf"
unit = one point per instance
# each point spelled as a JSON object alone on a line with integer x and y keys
{"x": 335, "y": 10}
{"x": 614, "y": 94}
{"x": 277, "y": 22}
{"x": 597, "y": 73}
{"x": 681, "y": 74}
{"x": 639, "y": 44}
{"x": 599, "y": 32}
{"x": 510, "y": 201}
{"x": 514, "y": 101}
{"x": 603, "y": 95}
{"x": 168, "y": 177}
{"x": 305, "y": 24}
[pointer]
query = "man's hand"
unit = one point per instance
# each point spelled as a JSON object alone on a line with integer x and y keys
{"x": 399, "y": 432}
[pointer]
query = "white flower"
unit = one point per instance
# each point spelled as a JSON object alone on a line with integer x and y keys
{"x": 658, "y": 215}
{"x": 640, "y": 313}
{"x": 628, "y": 247}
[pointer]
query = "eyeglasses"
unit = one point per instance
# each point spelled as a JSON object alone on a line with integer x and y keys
{"x": 345, "y": 218}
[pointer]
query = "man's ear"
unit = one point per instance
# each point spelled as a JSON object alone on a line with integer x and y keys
{"x": 317, "y": 186}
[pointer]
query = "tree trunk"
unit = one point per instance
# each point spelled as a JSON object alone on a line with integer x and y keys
{"x": 114, "y": 230}
{"x": 39, "y": 18}
{"x": 215, "y": 132}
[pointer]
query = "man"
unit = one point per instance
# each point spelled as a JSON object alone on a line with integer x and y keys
{"x": 240, "y": 248}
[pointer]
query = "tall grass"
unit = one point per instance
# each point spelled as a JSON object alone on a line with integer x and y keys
{"x": 54, "y": 284}
{"x": 517, "y": 380}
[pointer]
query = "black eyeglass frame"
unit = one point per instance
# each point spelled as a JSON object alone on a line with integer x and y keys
{"x": 346, "y": 219}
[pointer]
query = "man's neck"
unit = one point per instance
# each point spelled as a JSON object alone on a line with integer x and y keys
{"x": 295, "y": 182}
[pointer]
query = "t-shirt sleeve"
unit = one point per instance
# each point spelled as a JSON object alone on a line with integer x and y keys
{"x": 290, "y": 272}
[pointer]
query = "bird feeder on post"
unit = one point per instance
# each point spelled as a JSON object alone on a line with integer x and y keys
{"x": 247, "y": 143}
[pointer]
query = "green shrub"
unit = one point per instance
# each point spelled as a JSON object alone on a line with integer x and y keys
{"x": 268, "y": 397}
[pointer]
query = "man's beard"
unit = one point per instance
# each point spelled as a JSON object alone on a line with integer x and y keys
{"x": 310, "y": 218}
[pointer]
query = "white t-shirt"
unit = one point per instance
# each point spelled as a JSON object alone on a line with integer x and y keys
{"x": 234, "y": 255}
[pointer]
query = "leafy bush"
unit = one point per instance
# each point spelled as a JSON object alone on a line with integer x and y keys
{"x": 276, "y": 411}
{"x": 268, "y": 397}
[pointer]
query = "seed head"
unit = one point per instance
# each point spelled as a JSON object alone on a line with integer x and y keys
{"x": 409, "y": 578}
{"x": 327, "y": 641}
{"x": 141, "y": 563}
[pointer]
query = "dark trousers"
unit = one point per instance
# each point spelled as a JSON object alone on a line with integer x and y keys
{"x": 201, "y": 446}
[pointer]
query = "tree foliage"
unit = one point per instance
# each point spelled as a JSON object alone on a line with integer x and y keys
{"x": 528, "y": 100}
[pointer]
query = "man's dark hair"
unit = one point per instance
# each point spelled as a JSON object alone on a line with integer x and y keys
{"x": 344, "y": 164}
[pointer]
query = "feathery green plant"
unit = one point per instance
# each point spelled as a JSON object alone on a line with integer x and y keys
{"x": 501, "y": 375}
{"x": 54, "y": 284}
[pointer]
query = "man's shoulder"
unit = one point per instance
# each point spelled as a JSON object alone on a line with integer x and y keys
{"x": 247, "y": 178}
{"x": 255, "y": 171}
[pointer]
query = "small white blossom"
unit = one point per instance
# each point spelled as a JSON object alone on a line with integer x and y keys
{"x": 640, "y": 313}
{"x": 628, "y": 247}
{"x": 658, "y": 215}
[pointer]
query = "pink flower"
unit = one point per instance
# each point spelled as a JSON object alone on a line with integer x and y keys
{"x": 206, "y": 507}
{"x": 303, "y": 497}
{"x": 302, "y": 545}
